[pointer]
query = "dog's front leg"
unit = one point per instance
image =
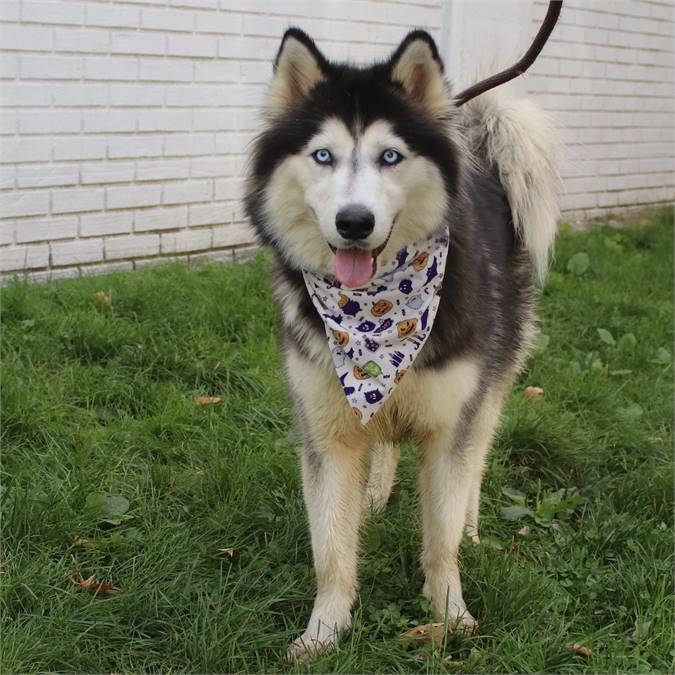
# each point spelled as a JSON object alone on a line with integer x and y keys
{"x": 333, "y": 482}
{"x": 445, "y": 485}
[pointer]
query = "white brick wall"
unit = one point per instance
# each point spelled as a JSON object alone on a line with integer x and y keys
{"x": 607, "y": 76}
{"x": 124, "y": 123}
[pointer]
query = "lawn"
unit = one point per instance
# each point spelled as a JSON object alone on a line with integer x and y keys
{"x": 190, "y": 513}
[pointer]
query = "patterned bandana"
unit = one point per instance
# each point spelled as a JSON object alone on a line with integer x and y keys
{"x": 376, "y": 332}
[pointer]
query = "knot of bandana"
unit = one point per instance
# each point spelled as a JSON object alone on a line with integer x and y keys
{"x": 376, "y": 332}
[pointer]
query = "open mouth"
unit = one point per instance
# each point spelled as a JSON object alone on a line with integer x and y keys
{"x": 355, "y": 267}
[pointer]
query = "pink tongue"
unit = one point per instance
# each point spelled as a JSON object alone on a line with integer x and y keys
{"x": 353, "y": 266}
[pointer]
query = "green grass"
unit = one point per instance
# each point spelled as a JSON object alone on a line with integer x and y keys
{"x": 99, "y": 398}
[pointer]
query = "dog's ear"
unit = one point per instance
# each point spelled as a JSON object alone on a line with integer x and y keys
{"x": 417, "y": 67}
{"x": 299, "y": 66}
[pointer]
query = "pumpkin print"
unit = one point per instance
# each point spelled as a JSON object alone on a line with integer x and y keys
{"x": 406, "y": 327}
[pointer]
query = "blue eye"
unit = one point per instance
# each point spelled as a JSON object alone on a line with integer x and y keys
{"x": 391, "y": 157}
{"x": 322, "y": 156}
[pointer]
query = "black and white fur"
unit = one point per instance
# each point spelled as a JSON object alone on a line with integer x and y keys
{"x": 486, "y": 172}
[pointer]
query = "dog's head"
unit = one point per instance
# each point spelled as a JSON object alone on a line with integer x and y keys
{"x": 354, "y": 163}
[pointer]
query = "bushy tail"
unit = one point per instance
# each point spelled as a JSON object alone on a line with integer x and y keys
{"x": 520, "y": 139}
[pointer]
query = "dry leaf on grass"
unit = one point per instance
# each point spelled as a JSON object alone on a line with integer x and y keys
{"x": 535, "y": 394}
{"x": 81, "y": 542}
{"x": 428, "y": 632}
{"x": 95, "y": 586}
{"x": 226, "y": 551}
{"x": 657, "y": 440}
{"x": 207, "y": 400}
{"x": 524, "y": 531}
{"x": 576, "y": 648}
{"x": 102, "y": 297}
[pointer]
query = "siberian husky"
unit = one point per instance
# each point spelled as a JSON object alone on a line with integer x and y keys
{"x": 380, "y": 198}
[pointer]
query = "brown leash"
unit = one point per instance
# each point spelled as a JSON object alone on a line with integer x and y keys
{"x": 521, "y": 66}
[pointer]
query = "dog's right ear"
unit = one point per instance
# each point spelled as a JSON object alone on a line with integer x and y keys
{"x": 299, "y": 66}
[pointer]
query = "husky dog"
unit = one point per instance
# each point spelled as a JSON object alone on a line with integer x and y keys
{"x": 352, "y": 166}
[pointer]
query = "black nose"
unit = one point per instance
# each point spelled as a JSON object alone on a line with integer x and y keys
{"x": 354, "y": 222}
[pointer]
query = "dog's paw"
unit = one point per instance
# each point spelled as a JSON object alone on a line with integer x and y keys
{"x": 452, "y": 607}
{"x": 309, "y": 645}
{"x": 463, "y": 624}
{"x": 306, "y": 647}
{"x": 319, "y": 636}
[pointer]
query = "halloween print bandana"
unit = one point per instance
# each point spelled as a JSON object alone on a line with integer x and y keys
{"x": 376, "y": 332}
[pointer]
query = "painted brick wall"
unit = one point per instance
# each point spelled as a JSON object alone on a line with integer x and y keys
{"x": 607, "y": 75}
{"x": 124, "y": 123}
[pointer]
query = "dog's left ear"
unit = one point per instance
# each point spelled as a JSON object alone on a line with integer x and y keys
{"x": 298, "y": 68}
{"x": 417, "y": 67}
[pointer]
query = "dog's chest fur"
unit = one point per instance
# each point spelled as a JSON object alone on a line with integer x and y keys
{"x": 482, "y": 327}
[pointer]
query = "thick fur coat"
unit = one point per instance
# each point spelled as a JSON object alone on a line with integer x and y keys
{"x": 485, "y": 173}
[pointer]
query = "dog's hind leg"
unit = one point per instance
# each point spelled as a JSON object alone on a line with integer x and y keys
{"x": 382, "y": 474}
{"x": 445, "y": 483}
{"x": 480, "y": 446}
{"x": 480, "y": 439}
{"x": 334, "y": 482}
{"x": 473, "y": 508}
{"x": 483, "y": 428}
